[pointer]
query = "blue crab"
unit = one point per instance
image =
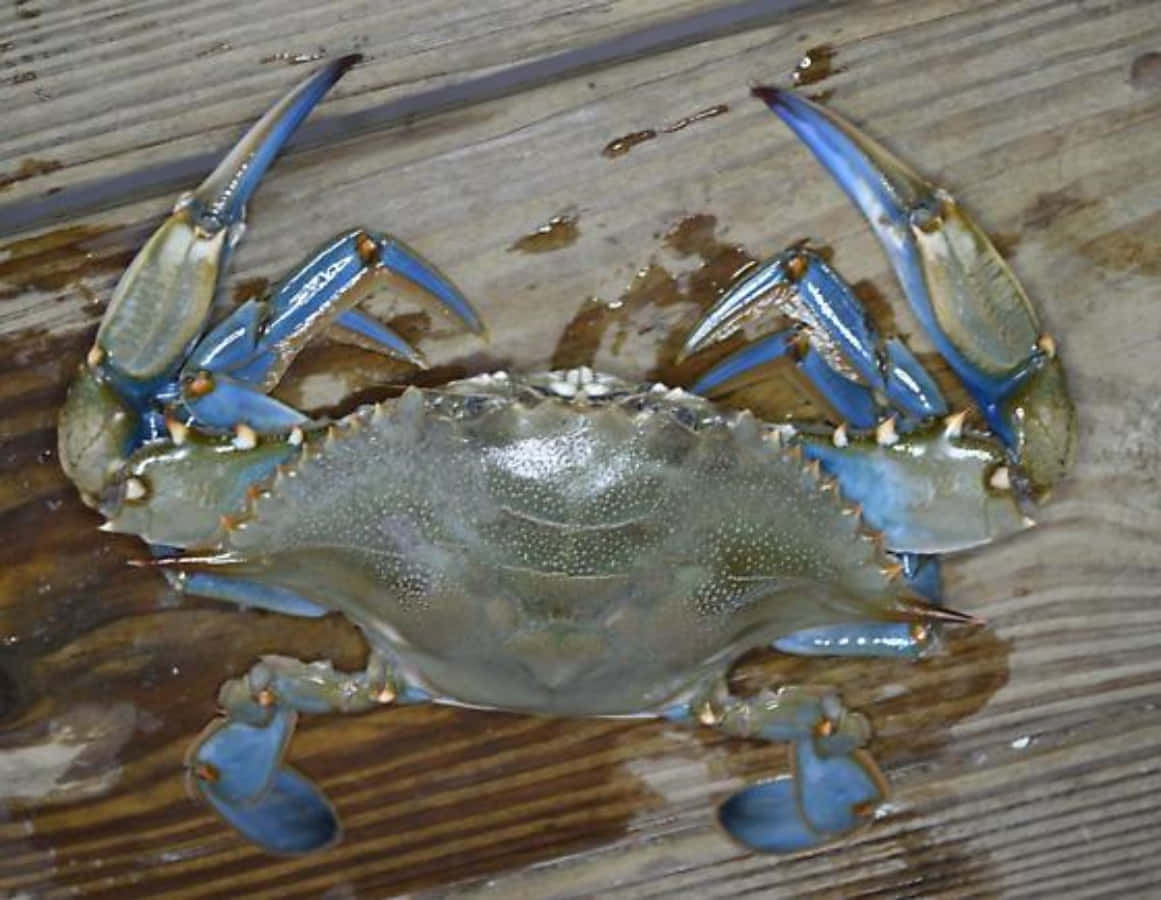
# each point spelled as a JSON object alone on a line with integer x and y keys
{"x": 566, "y": 543}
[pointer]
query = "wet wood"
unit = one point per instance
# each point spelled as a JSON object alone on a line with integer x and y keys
{"x": 1024, "y": 760}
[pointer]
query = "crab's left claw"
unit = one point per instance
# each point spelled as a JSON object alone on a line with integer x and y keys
{"x": 963, "y": 293}
{"x": 826, "y": 797}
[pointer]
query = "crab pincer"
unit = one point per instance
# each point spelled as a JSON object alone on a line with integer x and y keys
{"x": 962, "y": 291}
{"x": 153, "y": 362}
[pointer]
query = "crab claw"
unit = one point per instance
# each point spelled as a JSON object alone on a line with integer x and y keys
{"x": 826, "y": 797}
{"x": 961, "y": 290}
{"x": 160, "y": 305}
{"x": 143, "y": 340}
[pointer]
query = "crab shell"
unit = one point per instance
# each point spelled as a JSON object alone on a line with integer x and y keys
{"x": 507, "y": 546}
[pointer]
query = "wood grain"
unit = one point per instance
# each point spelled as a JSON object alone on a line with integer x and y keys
{"x": 1024, "y": 760}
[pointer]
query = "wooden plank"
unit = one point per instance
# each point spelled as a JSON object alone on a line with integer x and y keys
{"x": 1023, "y": 760}
{"x": 106, "y": 145}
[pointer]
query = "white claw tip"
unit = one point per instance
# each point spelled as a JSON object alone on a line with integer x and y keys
{"x": 1001, "y": 479}
{"x": 1029, "y": 522}
{"x": 839, "y": 437}
{"x": 135, "y": 489}
{"x": 95, "y": 356}
{"x": 885, "y": 433}
{"x": 1047, "y": 345}
{"x": 245, "y": 437}
{"x": 295, "y": 437}
{"x": 953, "y": 424}
{"x": 178, "y": 431}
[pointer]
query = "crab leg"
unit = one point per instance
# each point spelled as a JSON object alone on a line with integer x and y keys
{"x": 245, "y": 593}
{"x": 151, "y": 369}
{"x": 853, "y": 401}
{"x": 160, "y": 306}
{"x": 161, "y": 303}
{"x": 922, "y": 574}
{"x": 897, "y": 640}
{"x": 963, "y": 293}
{"x": 236, "y": 763}
{"x": 225, "y": 379}
{"x": 888, "y": 368}
{"x": 834, "y": 787}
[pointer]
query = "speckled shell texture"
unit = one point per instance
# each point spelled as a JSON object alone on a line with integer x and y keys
{"x": 511, "y": 547}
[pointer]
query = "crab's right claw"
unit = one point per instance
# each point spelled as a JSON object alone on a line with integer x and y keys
{"x": 235, "y": 767}
{"x": 963, "y": 293}
{"x": 827, "y": 797}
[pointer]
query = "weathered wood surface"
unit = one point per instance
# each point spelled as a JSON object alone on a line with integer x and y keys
{"x": 1024, "y": 761}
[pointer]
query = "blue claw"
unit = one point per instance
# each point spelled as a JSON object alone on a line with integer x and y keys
{"x": 897, "y": 640}
{"x": 765, "y": 817}
{"x": 836, "y": 793}
{"x": 962, "y": 292}
{"x": 820, "y": 288}
{"x": 257, "y": 342}
{"x": 853, "y": 402}
{"x": 221, "y": 199}
{"x": 887, "y": 367}
{"x": 160, "y": 306}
